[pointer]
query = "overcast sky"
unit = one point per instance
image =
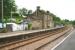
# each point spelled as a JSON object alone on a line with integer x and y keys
{"x": 65, "y": 9}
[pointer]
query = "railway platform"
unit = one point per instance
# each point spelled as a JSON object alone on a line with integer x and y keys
{"x": 11, "y": 34}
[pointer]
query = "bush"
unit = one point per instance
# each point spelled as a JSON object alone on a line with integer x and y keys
{"x": 29, "y": 26}
{"x": 4, "y": 30}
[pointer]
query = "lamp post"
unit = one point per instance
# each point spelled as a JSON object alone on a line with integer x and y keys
{"x": 2, "y": 15}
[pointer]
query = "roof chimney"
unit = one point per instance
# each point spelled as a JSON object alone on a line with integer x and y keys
{"x": 38, "y": 7}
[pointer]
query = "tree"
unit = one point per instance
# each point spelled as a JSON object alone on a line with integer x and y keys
{"x": 57, "y": 20}
{"x": 73, "y": 22}
{"x": 23, "y": 11}
{"x": 29, "y": 12}
{"x": 8, "y": 6}
{"x": 0, "y": 10}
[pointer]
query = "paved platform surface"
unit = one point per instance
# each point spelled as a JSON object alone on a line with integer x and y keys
{"x": 68, "y": 43}
{"x": 11, "y": 34}
{"x": 17, "y": 33}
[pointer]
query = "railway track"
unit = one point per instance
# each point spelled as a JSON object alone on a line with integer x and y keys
{"x": 52, "y": 43}
{"x": 23, "y": 42}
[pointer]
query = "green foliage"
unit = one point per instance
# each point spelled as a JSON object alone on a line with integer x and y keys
{"x": 66, "y": 22}
{"x": 58, "y": 21}
{"x": 9, "y": 5}
{"x": 23, "y": 11}
{"x": 18, "y": 20}
{"x": 73, "y": 22}
{"x": 29, "y": 26}
{"x": 15, "y": 14}
{"x": 29, "y": 12}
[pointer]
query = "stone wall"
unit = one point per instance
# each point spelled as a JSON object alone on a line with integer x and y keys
{"x": 37, "y": 24}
